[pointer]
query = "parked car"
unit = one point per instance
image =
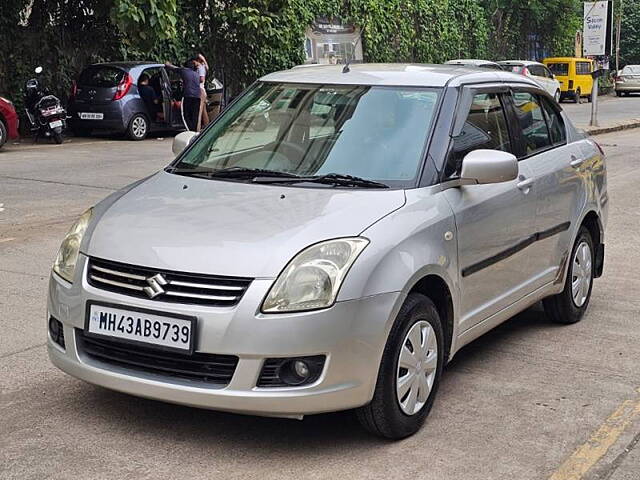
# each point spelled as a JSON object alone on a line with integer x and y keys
{"x": 475, "y": 63}
{"x": 538, "y": 72}
{"x": 106, "y": 96}
{"x": 9, "y": 122}
{"x": 628, "y": 80}
{"x": 338, "y": 259}
{"x": 574, "y": 75}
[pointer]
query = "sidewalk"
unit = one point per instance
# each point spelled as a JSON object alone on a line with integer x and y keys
{"x": 614, "y": 114}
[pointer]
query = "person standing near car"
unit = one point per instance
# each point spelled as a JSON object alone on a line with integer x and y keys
{"x": 191, "y": 91}
{"x": 203, "y": 70}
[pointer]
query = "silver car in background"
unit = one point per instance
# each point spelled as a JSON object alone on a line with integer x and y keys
{"x": 386, "y": 216}
{"x": 627, "y": 80}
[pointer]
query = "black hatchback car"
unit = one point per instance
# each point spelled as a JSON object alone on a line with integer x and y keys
{"x": 106, "y": 96}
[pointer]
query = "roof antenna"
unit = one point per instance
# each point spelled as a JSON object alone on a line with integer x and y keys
{"x": 346, "y": 68}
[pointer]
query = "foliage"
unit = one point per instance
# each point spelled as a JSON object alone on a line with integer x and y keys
{"x": 145, "y": 22}
{"x": 518, "y": 26}
{"x": 244, "y": 39}
{"x": 630, "y": 34}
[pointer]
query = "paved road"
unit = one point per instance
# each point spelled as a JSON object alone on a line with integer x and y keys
{"x": 610, "y": 110}
{"x": 525, "y": 401}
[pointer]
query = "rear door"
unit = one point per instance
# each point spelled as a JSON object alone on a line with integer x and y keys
{"x": 493, "y": 222}
{"x": 555, "y": 168}
{"x": 539, "y": 75}
{"x": 97, "y": 84}
{"x": 165, "y": 85}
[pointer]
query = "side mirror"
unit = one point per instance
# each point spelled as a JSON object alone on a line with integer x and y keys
{"x": 489, "y": 166}
{"x": 38, "y": 70}
{"x": 182, "y": 141}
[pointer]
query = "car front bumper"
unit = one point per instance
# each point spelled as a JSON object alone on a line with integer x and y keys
{"x": 351, "y": 335}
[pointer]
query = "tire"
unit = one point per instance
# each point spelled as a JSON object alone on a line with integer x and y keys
{"x": 389, "y": 414}
{"x": 619, "y": 94}
{"x": 557, "y": 96}
{"x": 590, "y": 98}
{"x": 578, "y": 96}
{"x": 3, "y": 134}
{"x": 567, "y": 308}
{"x": 57, "y": 137}
{"x": 138, "y": 127}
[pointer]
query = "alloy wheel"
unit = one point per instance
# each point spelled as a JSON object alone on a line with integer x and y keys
{"x": 417, "y": 367}
{"x": 581, "y": 274}
{"x": 139, "y": 127}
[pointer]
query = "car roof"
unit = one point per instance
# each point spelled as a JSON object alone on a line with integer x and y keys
{"x": 393, "y": 74}
{"x": 127, "y": 65}
{"x": 470, "y": 61}
{"x": 566, "y": 59}
{"x": 519, "y": 62}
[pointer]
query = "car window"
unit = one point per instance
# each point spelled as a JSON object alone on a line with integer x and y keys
{"x": 532, "y": 122}
{"x": 100, "y": 77}
{"x": 536, "y": 70}
{"x": 631, "y": 70}
{"x": 547, "y": 73}
{"x": 485, "y": 128}
{"x": 583, "y": 68}
{"x": 559, "y": 68}
{"x": 555, "y": 123}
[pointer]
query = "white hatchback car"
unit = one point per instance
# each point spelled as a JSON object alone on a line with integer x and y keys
{"x": 536, "y": 71}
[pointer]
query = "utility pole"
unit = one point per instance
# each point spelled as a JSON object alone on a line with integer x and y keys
{"x": 618, "y": 27}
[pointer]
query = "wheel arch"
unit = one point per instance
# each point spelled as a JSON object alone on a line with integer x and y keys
{"x": 436, "y": 288}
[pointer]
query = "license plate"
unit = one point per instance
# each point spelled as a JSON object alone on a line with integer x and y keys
{"x": 91, "y": 116}
{"x": 165, "y": 331}
{"x": 55, "y": 124}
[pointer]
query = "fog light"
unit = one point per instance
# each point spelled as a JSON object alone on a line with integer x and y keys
{"x": 291, "y": 372}
{"x": 301, "y": 369}
{"x": 56, "y": 331}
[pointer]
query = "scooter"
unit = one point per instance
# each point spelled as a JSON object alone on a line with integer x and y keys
{"x": 45, "y": 113}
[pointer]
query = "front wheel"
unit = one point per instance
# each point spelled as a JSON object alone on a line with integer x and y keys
{"x": 557, "y": 96}
{"x": 409, "y": 372}
{"x": 3, "y": 134}
{"x": 138, "y": 127}
{"x": 569, "y": 306}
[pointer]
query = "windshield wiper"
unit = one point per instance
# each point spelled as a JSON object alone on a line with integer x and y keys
{"x": 336, "y": 179}
{"x": 231, "y": 172}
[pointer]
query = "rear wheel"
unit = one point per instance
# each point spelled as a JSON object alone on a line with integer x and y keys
{"x": 619, "y": 94}
{"x": 138, "y": 127}
{"x": 57, "y": 137}
{"x": 409, "y": 372}
{"x": 3, "y": 133}
{"x": 569, "y": 306}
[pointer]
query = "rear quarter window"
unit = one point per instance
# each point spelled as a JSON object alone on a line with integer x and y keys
{"x": 101, "y": 77}
{"x": 559, "y": 68}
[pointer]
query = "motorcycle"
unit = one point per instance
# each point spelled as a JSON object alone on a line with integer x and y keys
{"x": 45, "y": 113}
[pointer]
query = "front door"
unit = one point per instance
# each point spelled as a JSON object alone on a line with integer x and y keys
{"x": 494, "y": 222}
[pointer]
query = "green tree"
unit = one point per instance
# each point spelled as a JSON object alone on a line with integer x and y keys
{"x": 630, "y": 34}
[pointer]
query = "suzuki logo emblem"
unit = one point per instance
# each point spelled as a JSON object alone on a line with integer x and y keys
{"x": 155, "y": 285}
{"x": 92, "y": 93}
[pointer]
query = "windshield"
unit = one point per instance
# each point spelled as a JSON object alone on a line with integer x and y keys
{"x": 559, "y": 68}
{"x": 101, "y": 77}
{"x": 631, "y": 69}
{"x": 374, "y": 133}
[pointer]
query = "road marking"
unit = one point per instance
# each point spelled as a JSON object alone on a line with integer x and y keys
{"x": 8, "y": 239}
{"x": 588, "y": 454}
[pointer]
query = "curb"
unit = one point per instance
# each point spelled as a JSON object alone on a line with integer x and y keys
{"x": 633, "y": 123}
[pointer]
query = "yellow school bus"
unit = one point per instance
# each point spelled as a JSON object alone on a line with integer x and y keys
{"x": 574, "y": 75}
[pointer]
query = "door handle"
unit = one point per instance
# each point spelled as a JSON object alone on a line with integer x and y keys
{"x": 525, "y": 184}
{"x": 576, "y": 162}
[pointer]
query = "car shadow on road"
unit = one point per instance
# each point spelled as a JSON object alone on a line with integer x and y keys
{"x": 325, "y": 432}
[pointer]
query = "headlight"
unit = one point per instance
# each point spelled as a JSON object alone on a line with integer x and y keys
{"x": 65, "y": 263}
{"x": 312, "y": 279}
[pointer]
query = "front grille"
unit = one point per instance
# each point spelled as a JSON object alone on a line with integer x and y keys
{"x": 203, "y": 367}
{"x": 166, "y": 286}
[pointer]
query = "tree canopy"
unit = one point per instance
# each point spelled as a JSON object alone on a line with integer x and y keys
{"x": 244, "y": 39}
